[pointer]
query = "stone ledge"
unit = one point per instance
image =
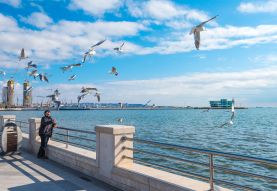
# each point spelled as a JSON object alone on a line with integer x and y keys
{"x": 34, "y": 120}
{"x": 115, "y": 129}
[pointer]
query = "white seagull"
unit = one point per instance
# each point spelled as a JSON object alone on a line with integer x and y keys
{"x": 2, "y": 73}
{"x": 22, "y": 55}
{"x": 114, "y": 71}
{"x": 87, "y": 90}
{"x": 119, "y": 50}
{"x": 69, "y": 67}
{"x": 80, "y": 97}
{"x": 231, "y": 122}
{"x": 196, "y": 32}
{"x": 91, "y": 52}
{"x": 73, "y": 77}
{"x": 31, "y": 65}
{"x": 43, "y": 77}
{"x": 34, "y": 73}
{"x": 97, "y": 95}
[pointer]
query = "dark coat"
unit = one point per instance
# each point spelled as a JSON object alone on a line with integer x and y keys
{"x": 46, "y": 126}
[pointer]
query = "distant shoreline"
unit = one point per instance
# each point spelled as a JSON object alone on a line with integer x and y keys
{"x": 146, "y": 108}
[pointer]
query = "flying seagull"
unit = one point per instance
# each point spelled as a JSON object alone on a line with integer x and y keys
{"x": 86, "y": 89}
{"x": 231, "y": 122}
{"x": 114, "y": 71}
{"x": 43, "y": 77}
{"x": 196, "y": 32}
{"x": 69, "y": 67}
{"x": 34, "y": 73}
{"x": 2, "y": 73}
{"x": 97, "y": 95}
{"x": 28, "y": 90}
{"x": 119, "y": 49}
{"x": 80, "y": 97}
{"x": 31, "y": 65}
{"x": 55, "y": 98}
{"x": 73, "y": 77}
{"x": 22, "y": 55}
{"x": 91, "y": 52}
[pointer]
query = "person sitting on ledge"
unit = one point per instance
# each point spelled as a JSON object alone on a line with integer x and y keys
{"x": 45, "y": 132}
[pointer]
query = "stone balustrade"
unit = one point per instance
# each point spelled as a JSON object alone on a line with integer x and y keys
{"x": 107, "y": 163}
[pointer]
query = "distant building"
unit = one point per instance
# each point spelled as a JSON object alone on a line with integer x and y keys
{"x": 10, "y": 93}
{"x": 5, "y": 95}
{"x": 27, "y": 95}
{"x": 221, "y": 103}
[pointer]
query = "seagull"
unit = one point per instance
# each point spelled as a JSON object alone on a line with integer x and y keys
{"x": 231, "y": 122}
{"x": 55, "y": 98}
{"x": 146, "y": 104}
{"x": 85, "y": 90}
{"x": 196, "y": 31}
{"x": 120, "y": 120}
{"x": 22, "y": 55}
{"x": 119, "y": 49}
{"x": 73, "y": 77}
{"x": 30, "y": 65}
{"x": 28, "y": 90}
{"x": 2, "y": 73}
{"x": 69, "y": 67}
{"x": 97, "y": 94}
{"x": 91, "y": 52}
{"x": 80, "y": 97}
{"x": 114, "y": 71}
{"x": 34, "y": 73}
{"x": 43, "y": 77}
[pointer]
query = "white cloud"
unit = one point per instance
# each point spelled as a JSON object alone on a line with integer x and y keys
{"x": 265, "y": 6}
{"x": 38, "y": 19}
{"x": 243, "y": 85}
{"x": 14, "y": 3}
{"x": 95, "y": 7}
{"x": 163, "y": 10}
{"x": 61, "y": 41}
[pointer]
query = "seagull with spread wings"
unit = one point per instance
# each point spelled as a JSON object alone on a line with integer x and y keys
{"x": 119, "y": 49}
{"x": 196, "y": 31}
{"x": 87, "y": 89}
{"x": 231, "y": 121}
{"x": 114, "y": 71}
{"x": 31, "y": 65}
{"x": 69, "y": 67}
{"x": 22, "y": 55}
{"x": 43, "y": 77}
{"x": 73, "y": 77}
{"x": 91, "y": 52}
{"x": 34, "y": 73}
{"x": 97, "y": 95}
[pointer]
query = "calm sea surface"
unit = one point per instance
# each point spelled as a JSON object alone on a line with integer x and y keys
{"x": 254, "y": 133}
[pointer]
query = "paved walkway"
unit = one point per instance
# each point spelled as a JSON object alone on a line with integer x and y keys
{"x": 26, "y": 172}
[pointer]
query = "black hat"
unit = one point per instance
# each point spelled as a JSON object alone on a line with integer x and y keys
{"x": 46, "y": 111}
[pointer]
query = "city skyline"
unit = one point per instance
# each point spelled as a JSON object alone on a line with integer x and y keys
{"x": 237, "y": 56}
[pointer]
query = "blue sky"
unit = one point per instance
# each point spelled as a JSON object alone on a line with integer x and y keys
{"x": 237, "y": 56}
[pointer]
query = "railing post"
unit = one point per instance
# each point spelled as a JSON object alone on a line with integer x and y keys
{"x": 67, "y": 138}
{"x": 34, "y": 124}
{"x": 110, "y": 150}
{"x": 211, "y": 161}
{"x": 5, "y": 118}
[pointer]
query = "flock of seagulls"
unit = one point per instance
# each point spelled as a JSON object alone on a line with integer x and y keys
{"x": 32, "y": 70}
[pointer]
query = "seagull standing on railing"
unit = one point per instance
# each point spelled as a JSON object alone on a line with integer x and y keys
{"x": 22, "y": 55}
{"x": 231, "y": 122}
{"x": 91, "y": 52}
{"x": 119, "y": 50}
{"x": 196, "y": 32}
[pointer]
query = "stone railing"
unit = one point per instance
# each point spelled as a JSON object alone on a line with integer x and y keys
{"x": 107, "y": 163}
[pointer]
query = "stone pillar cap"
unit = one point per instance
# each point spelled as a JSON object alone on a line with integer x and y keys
{"x": 115, "y": 129}
{"x": 7, "y": 116}
{"x": 34, "y": 119}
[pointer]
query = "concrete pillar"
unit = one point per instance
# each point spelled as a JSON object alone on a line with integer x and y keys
{"x": 4, "y": 119}
{"x": 34, "y": 124}
{"x": 109, "y": 147}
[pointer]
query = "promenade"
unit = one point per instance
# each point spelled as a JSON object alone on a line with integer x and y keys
{"x": 26, "y": 172}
